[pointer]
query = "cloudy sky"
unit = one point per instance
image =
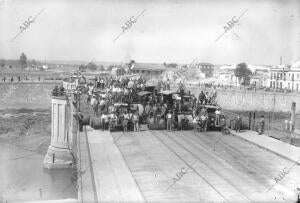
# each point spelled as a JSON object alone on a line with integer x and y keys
{"x": 168, "y": 31}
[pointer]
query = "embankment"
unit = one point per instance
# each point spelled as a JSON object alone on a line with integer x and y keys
{"x": 26, "y": 95}
{"x": 254, "y": 101}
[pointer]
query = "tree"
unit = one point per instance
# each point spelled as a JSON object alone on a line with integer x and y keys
{"x": 101, "y": 68}
{"x": 172, "y": 65}
{"x": 82, "y": 67}
{"x": 33, "y": 62}
{"x": 23, "y": 60}
{"x": 243, "y": 72}
{"x": 110, "y": 67}
{"x": 92, "y": 66}
{"x": 131, "y": 64}
{"x": 2, "y": 63}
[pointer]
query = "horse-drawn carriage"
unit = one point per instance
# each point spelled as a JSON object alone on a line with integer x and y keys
{"x": 116, "y": 116}
{"x": 208, "y": 118}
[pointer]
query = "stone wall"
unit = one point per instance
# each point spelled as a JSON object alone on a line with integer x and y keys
{"x": 26, "y": 95}
{"x": 250, "y": 100}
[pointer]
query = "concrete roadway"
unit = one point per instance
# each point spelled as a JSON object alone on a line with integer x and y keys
{"x": 184, "y": 167}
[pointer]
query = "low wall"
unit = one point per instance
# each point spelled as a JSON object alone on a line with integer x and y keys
{"x": 251, "y": 101}
{"x": 26, "y": 95}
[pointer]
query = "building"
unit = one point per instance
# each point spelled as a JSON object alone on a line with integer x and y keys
{"x": 260, "y": 75}
{"x": 285, "y": 77}
{"x": 148, "y": 70}
{"x": 206, "y": 68}
{"x": 225, "y": 75}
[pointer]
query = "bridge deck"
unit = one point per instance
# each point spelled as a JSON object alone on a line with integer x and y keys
{"x": 213, "y": 168}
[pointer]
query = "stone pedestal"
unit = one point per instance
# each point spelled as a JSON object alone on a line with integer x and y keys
{"x": 59, "y": 153}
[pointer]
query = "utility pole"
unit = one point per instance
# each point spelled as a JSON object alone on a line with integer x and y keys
{"x": 292, "y": 121}
{"x": 280, "y": 60}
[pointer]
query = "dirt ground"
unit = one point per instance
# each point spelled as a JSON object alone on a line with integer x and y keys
{"x": 28, "y": 129}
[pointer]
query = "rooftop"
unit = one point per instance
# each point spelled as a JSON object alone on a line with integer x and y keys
{"x": 148, "y": 66}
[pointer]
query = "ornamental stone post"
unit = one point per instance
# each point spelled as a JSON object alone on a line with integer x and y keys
{"x": 59, "y": 153}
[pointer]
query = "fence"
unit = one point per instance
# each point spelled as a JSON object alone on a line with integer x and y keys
{"x": 275, "y": 125}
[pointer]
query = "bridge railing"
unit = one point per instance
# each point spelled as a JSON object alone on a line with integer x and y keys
{"x": 274, "y": 123}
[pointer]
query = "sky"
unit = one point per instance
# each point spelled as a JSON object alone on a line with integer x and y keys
{"x": 168, "y": 30}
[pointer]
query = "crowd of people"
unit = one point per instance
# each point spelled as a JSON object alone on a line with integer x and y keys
{"x": 125, "y": 101}
{"x": 16, "y": 78}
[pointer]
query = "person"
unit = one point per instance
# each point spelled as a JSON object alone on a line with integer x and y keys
{"x": 61, "y": 91}
{"x": 94, "y": 104}
{"x": 201, "y": 97}
{"x": 195, "y": 123}
{"x": 90, "y": 92}
{"x": 168, "y": 84}
{"x": 238, "y": 123}
{"x": 207, "y": 98}
{"x": 4, "y": 78}
{"x": 125, "y": 122}
{"x": 180, "y": 121}
{"x": 169, "y": 121}
{"x": 218, "y": 114}
{"x": 103, "y": 121}
{"x": 136, "y": 121}
{"x": 106, "y": 120}
{"x": 112, "y": 120}
{"x": 155, "y": 109}
{"x": 223, "y": 124}
{"x": 163, "y": 110}
{"x": 174, "y": 120}
{"x": 286, "y": 125}
{"x": 55, "y": 91}
{"x": 130, "y": 124}
{"x": 147, "y": 109}
{"x": 102, "y": 83}
{"x": 261, "y": 128}
{"x": 203, "y": 117}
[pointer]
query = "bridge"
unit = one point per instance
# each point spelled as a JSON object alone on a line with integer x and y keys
{"x": 179, "y": 166}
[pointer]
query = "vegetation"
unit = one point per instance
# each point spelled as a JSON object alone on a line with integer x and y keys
{"x": 101, "y": 68}
{"x": 2, "y": 63}
{"x": 110, "y": 67}
{"x": 170, "y": 65}
{"x": 23, "y": 60}
{"x": 243, "y": 73}
{"x": 92, "y": 66}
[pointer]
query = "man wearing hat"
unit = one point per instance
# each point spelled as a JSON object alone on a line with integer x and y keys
{"x": 169, "y": 121}
{"x": 135, "y": 119}
{"x": 125, "y": 121}
{"x": 147, "y": 109}
{"x": 94, "y": 104}
{"x": 112, "y": 120}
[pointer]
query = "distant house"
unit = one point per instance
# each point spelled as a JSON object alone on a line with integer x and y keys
{"x": 206, "y": 68}
{"x": 225, "y": 75}
{"x": 260, "y": 75}
{"x": 148, "y": 70}
{"x": 285, "y": 77}
{"x": 259, "y": 80}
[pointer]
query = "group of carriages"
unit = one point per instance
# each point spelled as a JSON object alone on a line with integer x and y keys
{"x": 185, "y": 110}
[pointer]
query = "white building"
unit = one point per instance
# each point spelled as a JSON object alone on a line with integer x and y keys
{"x": 225, "y": 75}
{"x": 285, "y": 77}
{"x": 259, "y": 78}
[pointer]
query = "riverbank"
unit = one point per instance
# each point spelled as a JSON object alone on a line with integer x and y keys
{"x": 24, "y": 140}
